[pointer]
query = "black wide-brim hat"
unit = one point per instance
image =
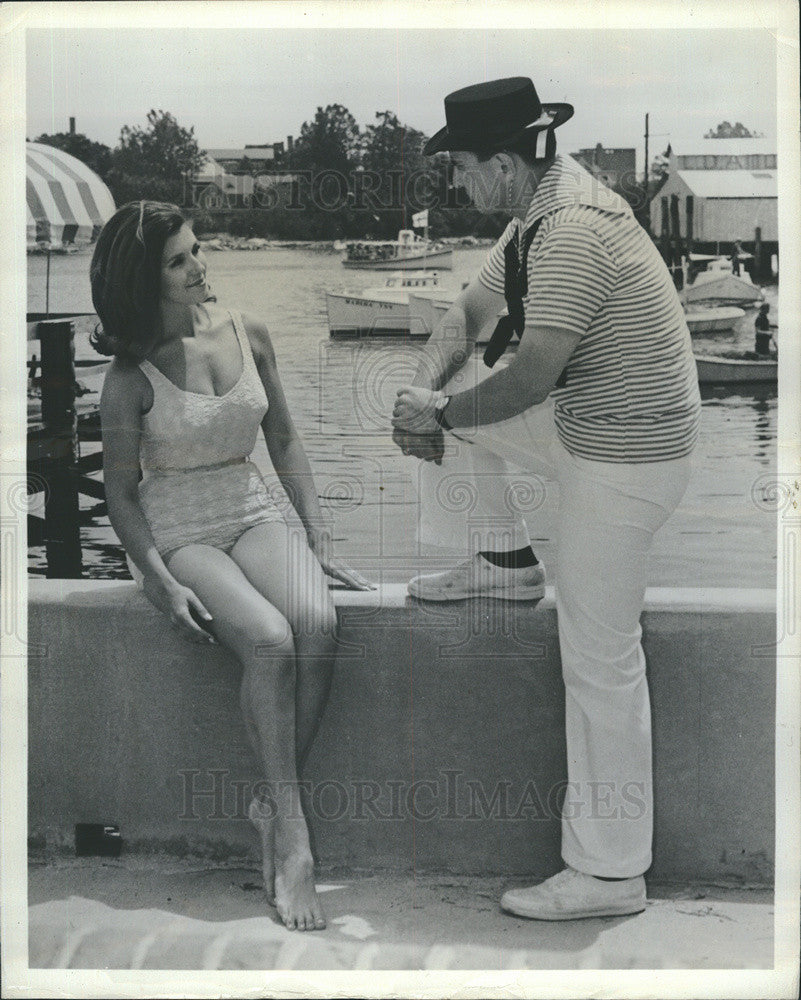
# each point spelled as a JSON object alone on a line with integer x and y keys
{"x": 489, "y": 116}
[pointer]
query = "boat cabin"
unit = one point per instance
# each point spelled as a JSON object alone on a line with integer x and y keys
{"x": 413, "y": 279}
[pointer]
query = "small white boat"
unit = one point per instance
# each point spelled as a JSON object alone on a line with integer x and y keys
{"x": 702, "y": 319}
{"x": 408, "y": 252}
{"x": 719, "y": 286}
{"x": 428, "y": 306}
{"x": 381, "y": 311}
{"x": 716, "y": 369}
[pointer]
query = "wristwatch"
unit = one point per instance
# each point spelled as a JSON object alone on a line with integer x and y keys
{"x": 439, "y": 412}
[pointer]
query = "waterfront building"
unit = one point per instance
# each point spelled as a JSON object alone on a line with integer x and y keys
{"x": 231, "y": 177}
{"x": 239, "y": 159}
{"x": 719, "y": 191}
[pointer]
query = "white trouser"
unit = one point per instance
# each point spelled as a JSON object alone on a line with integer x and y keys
{"x": 459, "y": 503}
{"x": 607, "y": 516}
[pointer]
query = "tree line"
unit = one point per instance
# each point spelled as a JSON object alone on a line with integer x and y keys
{"x": 348, "y": 181}
{"x": 150, "y": 162}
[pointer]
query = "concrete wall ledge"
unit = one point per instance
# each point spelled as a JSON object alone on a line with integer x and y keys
{"x": 443, "y": 744}
{"x": 393, "y": 595}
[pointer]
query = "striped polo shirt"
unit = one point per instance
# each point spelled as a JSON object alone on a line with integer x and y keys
{"x": 631, "y": 391}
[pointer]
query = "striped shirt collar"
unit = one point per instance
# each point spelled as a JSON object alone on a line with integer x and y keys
{"x": 565, "y": 184}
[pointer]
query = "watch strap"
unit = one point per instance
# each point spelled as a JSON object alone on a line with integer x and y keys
{"x": 439, "y": 413}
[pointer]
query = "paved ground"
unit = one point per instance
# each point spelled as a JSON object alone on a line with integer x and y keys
{"x": 156, "y": 912}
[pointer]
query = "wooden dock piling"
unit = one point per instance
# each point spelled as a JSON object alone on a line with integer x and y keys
{"x": 53, "y": 450}
{"x": 759, "y": 262}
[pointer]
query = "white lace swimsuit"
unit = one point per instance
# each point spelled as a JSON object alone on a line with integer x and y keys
{"x": 198, "y": 484}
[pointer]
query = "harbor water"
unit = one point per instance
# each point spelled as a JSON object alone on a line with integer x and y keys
{"x": 341, "y": 394}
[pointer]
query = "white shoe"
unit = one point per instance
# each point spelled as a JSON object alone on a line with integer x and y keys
{"x": 570, "y": 895}
{"x": 479, "y": 578}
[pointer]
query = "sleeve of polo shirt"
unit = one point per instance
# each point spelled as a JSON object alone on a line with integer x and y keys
{"x": 491, "y": 274}
{"x": 571, "y": 276}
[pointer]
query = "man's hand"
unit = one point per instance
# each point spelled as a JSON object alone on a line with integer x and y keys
{"x": 428, "y": 447}
{"x": 414, "y": 410}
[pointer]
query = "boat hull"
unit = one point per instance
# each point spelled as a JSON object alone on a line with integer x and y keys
{"x": 362, "y": 316}
{"x": 712, "y": 320}
{"x": 731, "y": 370}
{"x": 726, "y": 290}
{"x": 442, "y": 259}
{"x": 427, "y": 307}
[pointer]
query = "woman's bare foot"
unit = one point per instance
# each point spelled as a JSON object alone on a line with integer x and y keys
{"x": 261, "y": 815}
{"x": 295, "y": 895}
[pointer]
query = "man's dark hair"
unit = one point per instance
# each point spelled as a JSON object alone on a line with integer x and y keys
{"x": 525, "y": 147}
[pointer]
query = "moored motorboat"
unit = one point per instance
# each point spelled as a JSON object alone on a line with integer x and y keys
{"x": 718, "y": 369}
{"x": 408, "y": 252}
{"x": 710, "y": 319}
{"x": 428, "y": 306}
{"x": 719, "y": 286}
{"x": 427, "y": 309}
{"x": 383, "y": 310}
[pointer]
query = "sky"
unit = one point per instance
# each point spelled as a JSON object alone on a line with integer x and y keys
{"x": 239, "y": 85}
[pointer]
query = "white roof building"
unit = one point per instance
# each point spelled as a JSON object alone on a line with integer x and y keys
{"x": 215, "y": 187}
{"x": 722, "y": 190}
{"x": 253, "y": 153}
{"x": 729, "y": 153}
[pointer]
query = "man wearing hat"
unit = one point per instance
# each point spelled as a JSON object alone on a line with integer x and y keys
{"x": 602, "y": 396}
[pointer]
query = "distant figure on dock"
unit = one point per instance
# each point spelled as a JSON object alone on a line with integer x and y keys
{"x": 735, "y": 258}
{"x": 190, "y": 386}
{"x": 34, "y": 380}
{"x": 763, "y": 338}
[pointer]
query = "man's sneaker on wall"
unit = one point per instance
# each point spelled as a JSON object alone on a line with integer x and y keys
{"x": 479, "y": 578}
{"x": 570, "y": 895}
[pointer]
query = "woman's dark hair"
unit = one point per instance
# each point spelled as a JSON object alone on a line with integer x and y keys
{"x": 126, "y": 277}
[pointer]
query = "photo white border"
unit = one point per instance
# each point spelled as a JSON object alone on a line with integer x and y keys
{"x": 777, "y": 16}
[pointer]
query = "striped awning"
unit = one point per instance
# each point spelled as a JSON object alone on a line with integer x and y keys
{"x": 67, "y": 202}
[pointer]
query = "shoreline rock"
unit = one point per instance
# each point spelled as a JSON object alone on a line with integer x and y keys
{"x": 224, "y": 241}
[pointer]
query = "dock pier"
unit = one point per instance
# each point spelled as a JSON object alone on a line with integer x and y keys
{"x": 55, "y": 465}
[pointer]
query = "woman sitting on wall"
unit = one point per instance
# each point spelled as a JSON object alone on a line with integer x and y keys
{"x": 184, "y": 398}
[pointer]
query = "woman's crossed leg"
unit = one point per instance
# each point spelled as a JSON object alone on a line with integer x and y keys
{"x": 279, "y": 564}
{"x": 246, "y": 607}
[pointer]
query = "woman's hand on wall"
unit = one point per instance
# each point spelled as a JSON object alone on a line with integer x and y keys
{"x": 321, "y": 544}
{"x": 182, "y": 606}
